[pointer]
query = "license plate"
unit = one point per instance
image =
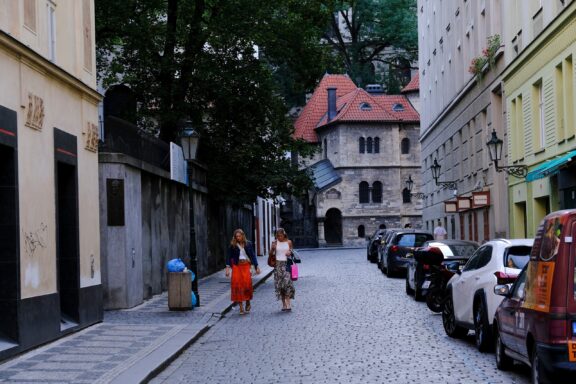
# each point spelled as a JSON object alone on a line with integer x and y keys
{"x": 426, "y": 284}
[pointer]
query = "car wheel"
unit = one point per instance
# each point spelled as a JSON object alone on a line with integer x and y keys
{"x": 449, "y": 320}
{"x": 537, "y": 372}
{"x": 503, "y": 362}
{"x": 409, "y": 291}
{"x": 483, "y": 335}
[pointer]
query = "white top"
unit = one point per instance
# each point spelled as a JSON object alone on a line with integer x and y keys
{"x": 243, "y": 255}
{"x": 440, "y": 233}
{"x": 282, "y": 248}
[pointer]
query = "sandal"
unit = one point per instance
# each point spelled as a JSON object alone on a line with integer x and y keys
{"x": 248, "y": 307}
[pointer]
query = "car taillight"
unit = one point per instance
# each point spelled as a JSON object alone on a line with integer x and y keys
{"x": 425, "y": 267}
{"x": 394, "y": 248}
{"x": 558, "y": 331}
{"x": 504, "y": 278}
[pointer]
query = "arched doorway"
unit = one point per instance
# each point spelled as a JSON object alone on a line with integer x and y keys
{"x": 333, "y": 227}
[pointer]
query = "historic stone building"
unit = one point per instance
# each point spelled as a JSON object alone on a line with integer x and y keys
{"x": 50, "y": 283}
{"x": 367, "y": 148}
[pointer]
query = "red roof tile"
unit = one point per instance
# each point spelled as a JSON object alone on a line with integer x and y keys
{"x": 413, "y": 85}
{"x": 317, "y": 106}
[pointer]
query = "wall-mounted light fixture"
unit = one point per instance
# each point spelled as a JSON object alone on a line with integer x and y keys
{"x": 495, "y": 151}
{"x": 410, "y": 185}
{"x": 436, "y": 174}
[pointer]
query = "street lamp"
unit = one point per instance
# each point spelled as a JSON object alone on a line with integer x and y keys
{"x": 495, "y": 151}
{"x": 436, "y": 174}
{"x": 410, "y": 185}
{"x": 189, "y": 139}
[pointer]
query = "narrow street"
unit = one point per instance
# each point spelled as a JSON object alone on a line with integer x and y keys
{"x": 349, "y": 324}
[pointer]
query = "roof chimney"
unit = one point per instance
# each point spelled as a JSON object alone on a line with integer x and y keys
{"x": 331, "y": 104}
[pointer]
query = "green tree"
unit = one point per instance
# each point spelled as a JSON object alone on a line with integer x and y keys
{"x": 217, "y": 62}
{"x": 368, "y": 31}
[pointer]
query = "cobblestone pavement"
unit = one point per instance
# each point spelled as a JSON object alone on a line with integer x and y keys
{"x": 349, "y": 324}
{"x": 128, "y": 345}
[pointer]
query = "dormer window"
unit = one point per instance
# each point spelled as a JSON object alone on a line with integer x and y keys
{"x": 398, "y": 107}
{"x": 365, "y": 107}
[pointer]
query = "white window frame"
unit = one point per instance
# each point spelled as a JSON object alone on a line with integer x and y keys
{"x": 51, "y": 30}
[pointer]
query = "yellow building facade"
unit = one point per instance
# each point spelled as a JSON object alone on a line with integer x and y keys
{"x": 540, "y": 116}
{"x": 50, "y": 254}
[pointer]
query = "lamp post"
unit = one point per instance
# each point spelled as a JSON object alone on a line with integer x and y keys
{"x": 410, "y": 185}
{"x": 189, "y": 139}
{"x": 436, "y": 174}
{"x": 495, "y": 150}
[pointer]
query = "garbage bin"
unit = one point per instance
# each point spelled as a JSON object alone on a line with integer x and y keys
{"x": 179, "y": 291}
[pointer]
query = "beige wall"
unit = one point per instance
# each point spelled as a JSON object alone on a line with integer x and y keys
{"x": 69, "y": 103}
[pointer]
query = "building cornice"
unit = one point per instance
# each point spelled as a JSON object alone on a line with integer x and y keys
{"x": 35, "y": 60}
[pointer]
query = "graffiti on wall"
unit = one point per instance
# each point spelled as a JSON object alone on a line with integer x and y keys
{"x": 35, "y": 239}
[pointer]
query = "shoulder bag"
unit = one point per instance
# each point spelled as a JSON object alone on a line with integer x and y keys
{"x": 272, "y": 256}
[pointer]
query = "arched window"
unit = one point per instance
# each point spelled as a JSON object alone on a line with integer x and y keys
{"x": 405, "y": 146}
{"x": 406, "y": 198}
{"x": 362, "y": 144}
{"x": 325, "y": 148}
{"x": 376, "y": 145}
{"x": 361, "y": 231}
{"x": 369, "y": 145}
{"x": 377, "y": 192}
{"x": 364, "y": 192}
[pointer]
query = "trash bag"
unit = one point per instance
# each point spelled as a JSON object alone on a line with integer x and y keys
{"x": 194, "y": 299}
{"x": 192, "y": 276}
{"x": 176, "y": 265}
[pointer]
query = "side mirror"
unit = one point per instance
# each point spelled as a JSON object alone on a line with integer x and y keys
{"x": 502, "y": 289}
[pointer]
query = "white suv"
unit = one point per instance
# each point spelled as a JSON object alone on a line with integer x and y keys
{"x": 470, "y": 301}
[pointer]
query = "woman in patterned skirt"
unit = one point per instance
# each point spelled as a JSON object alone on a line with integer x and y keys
{"x": 241, "y": 257}
{"x": 283, "y": 284}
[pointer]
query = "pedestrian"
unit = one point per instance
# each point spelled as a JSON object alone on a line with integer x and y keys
{"x": 241, "y": 257}
{"x": 283, "y": 285}
{"x": 439, "y": 232}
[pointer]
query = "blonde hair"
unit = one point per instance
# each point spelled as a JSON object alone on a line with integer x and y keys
{"x": 234, "y": 242}
{"x": 281, "y": 231}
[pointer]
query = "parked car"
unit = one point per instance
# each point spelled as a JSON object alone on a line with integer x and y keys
{"x": 373, "y": 244}
{"x": 418, "y": 272}
{"x": 471, "y": 301}
{"x": 400, "y": 248}
{"x": 536, "y": 321}
{"x": 383, "y": 243}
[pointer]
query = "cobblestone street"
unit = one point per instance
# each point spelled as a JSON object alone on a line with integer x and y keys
{"x": 349, "y": 324}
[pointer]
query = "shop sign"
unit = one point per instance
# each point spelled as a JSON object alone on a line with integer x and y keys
{"x": 451, "y": 206}
{"x": 464, "y": 203}
{"x": 480, "y": 199}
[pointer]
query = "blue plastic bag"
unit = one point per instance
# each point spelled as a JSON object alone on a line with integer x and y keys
{"x": 194, "y": 299}
{"x": 192, "y": 276}
{"x": 176, "y": 265}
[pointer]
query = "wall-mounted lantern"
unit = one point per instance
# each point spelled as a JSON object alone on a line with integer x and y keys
{"x": 495, "y": 151}
{"x": 435, "y": 168}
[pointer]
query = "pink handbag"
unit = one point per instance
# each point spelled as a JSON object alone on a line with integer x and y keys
{"x": 294, "y": 272}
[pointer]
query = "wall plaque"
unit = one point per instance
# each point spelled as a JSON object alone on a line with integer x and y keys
{"x": 35, "y": 114}
{"x": 91, "y": 137}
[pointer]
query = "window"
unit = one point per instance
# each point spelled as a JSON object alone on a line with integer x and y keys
{"x": 376, "y": 145}
{"x": 406, "y": 197}
{"x": 325, "y": 148}
{"x": 517, "y": 257}
{"x": 538, "y": 115}
{"x": 405, "y": 146}
{"x": 51, "y": 10}
{"x": 399, "y": 107}
{"x": 369, "y": 145}
{"x": 87, "y": 32}
{"x": 518, "y": 287}
{"x": 364, "y": 192}
{"x": 361, "y": 231}
{"x": 362, "y": 145}
{"x": 30, "y": 14}
{"x": 365, "y": 107}
{"x": 377, "y": 192}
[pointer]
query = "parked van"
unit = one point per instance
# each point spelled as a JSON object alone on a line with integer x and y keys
{"x": 536, "y": 321}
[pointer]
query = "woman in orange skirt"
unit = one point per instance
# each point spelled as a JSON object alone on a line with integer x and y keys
{"x": 241, "y": 257}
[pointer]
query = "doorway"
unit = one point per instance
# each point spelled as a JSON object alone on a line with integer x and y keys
{"x": 67, "y": 252}
{"x": 333, "y": 227}
{"x": 9, "y": 259}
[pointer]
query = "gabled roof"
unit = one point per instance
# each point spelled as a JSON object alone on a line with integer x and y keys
{"x": 317, "y": 106}
{"x": 413, "y": 85}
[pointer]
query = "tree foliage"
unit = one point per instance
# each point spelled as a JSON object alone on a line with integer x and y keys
{"x": 216, "y": 63}
{"x": 368, "y": 31}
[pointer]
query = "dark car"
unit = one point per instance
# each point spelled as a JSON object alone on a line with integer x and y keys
{"x": 451, "y": 250}
{"x": 373, "y": 244}
{"x": 536, "y": 321}
{"x": 382, "y": 247}
{"x": 400, "y": 248}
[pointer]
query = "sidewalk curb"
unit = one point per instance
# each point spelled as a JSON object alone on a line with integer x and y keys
{"x": 174, "y": 347}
